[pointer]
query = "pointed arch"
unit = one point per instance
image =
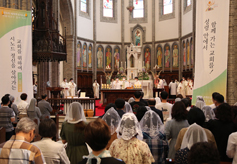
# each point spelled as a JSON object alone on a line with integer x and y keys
{"x": 134, "y": 30}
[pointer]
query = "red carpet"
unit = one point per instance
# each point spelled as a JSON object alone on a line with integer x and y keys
{"x": 99, "y": 109}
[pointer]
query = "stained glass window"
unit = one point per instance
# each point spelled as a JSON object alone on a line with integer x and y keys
{"x": 138, "y": 11}
{"x": 108, "y": 8}
{"x": 84, "y": 6}
{"x": 167, "y": 6}
{"x": 188, "y": 2}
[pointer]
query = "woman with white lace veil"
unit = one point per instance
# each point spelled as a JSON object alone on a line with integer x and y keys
{"x": 153, "y": 134}
{"x": 128, "y": 108}
{"x": 112, "y": 118}
{"x": 131, "y": 100}
{"x": 208, "y": 112}
{"x": 194, "y": 134}
{"x": 72, "y": 132}
{"x": 129, "y": 146}
{"x": 200, "y": 102}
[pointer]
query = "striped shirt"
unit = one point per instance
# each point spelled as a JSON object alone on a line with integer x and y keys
{"x": 17, "y": 150}
{"x": 6, "y": 114}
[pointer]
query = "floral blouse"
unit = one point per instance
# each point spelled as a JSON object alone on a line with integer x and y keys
{"x": 133, "y": 151}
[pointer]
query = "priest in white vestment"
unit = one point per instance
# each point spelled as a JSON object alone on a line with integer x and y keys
{"x": 185, "y": 83}
{"x": 65, "y": 87}
{"x": 72, "y": 87}
{"x": 117, "y": 84}
{"x": 137, "y": 83}
{"x": 161, "y": 83}
{"x": 181, "y": 89}
{"x": 189, "y": 87}
{"x": 96, "y": 88}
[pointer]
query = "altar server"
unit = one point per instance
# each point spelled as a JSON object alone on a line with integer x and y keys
{"x": 137, "y": 82}
{"x": 161, "y": 83}
{"x": 181, "y": 88}
{"x": 65, "y": 87}
{"x": 173, "y": 89}
{"x": 72, "y": 87}
{"x": 96, "y": 88}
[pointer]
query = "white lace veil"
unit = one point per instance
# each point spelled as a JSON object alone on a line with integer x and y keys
{"x": 112, "y": 118}
{"x": 128, "y": 108}
{"x": 31, "y": 107}
{"x": 194, "y": 134}
{"x": 147, "y": 108}
{"x": 177, "y": 100}
{"x": 152, "y": 124}
{"x": 129, "y": 127}
{"x": 200, "y": 102}
{"x": 75, "y": 113}
{"x": 208, "y": 112}
{"x": 131, "y": 100}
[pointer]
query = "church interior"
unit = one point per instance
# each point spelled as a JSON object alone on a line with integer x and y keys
{"x": 97, "y": 51}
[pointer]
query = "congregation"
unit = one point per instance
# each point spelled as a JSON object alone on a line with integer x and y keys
{"x": 138, "y": 131}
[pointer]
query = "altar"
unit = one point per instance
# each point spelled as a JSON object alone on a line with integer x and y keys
{"x": 147, "y": 88}
{"x": 110, "y": 95}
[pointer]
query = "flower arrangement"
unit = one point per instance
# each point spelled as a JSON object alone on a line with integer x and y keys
{"x": 143, "y": 75}
{"x": 121, "y": 73}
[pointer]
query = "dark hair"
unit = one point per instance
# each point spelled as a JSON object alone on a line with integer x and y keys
{"x": 64, "y": 78}
{"x": 219, "y": 98}
{"x": 203, "y": 152}
{"x": 152, "y": 102}
{"x": 7, "y": 94}
{"x": 164, "y": 95}
{"x": 43, "y": 96}
{"x": 142, "y": 94}
{"x": 71, "y": 79}
{"x": 95, "y": 80}
{"x": 47, "y": 128}
{"x": 109, "y": 106}
{"x": 223, "y": 112}
{"x": 80, "y": 126}
{"x": 186, "y": 102}
{"x": 214, "y": 94}
{"x": 119, "y": 103}
{"x": 179, "y": 111}
{"x": 179, "y": 96}
{"x": 5, "y": 100}
{"x": 23, "y": 96}
{"x": 136, "y": 77}
{"x": 196, "y": 115}
{"x": 141, "y": 110}
{"x": 97, "y": 134}
{"x": 137, "y": 94}
{"x": 234, "y": 113}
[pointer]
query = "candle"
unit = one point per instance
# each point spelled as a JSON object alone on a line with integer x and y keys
{"x": 143, "y": 64}
{"x": 121, "y": 64}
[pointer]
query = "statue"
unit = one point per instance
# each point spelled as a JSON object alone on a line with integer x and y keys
{"x": 108, "y": 77}
{"x": 137, "y": 37}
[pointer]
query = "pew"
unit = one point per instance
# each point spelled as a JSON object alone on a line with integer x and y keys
{"x": 2, "y": 135}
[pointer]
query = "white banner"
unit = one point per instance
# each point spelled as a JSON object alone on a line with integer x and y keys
{"x": 212, "y": 27}
{"x": 16, "y": 52}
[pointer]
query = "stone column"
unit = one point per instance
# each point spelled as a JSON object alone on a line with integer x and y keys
{"x": 43, "y": 77}
{"x": 54, "y": 74}
{"x": 122, "y": 51}
{"x": 180, "y": 41}
{"x": 94, "y": 67}
{"x": 153, "y": 53}
{"x": 232, "y": 57}
{"x": 194, "y": 33}
{"x": 68, "y": 66}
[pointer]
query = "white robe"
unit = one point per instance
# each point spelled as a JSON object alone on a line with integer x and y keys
{"x": 190, "y": 88}
{"x": 117, "y": 85}
{"x": 161, "y": 84}
{"x": 173, "y": 88}
{"x": 181, "y": 90}
{"x": 65, "y": 90}
{"x": 96, "y": 89}
{"x": 72, "y": 87}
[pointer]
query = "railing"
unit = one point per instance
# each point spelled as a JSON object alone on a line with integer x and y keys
{"x": 56, "y": 103}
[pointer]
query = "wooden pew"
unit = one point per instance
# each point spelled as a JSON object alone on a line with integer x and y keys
{"x": 2, "y": 135}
